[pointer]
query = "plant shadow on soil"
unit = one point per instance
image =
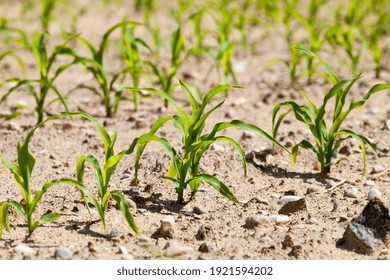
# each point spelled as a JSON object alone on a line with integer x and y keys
{"x": 281, "y": 173}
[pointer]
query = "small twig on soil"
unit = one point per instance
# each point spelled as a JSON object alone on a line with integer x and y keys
{"x": 337, "y": 185}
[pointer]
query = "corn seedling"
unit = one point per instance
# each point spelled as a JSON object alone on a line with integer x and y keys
{"x": 22, "y": 171}
{"x": 327, "y": 139}
{"x": 184, "y": 170}
{"x": 103, "y": 175}
{"x": 316, "y": 33}
{"x": 165, "y": 77}
{"x": 13, "y": 35}
{"x": 47, "y": 78}
{"x": 146, "y": 7}
{"x": 225, "y": 50}
{"x": 295, "y": 57}
{"x": 95, "y": 65}
{"x": 351, "y": 40}
{"x": 129, "y": 52}
{"x": 47, "y": 13}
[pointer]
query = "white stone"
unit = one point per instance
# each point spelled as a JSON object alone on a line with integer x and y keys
{"x": 374, "y": 193}
{"x": 279, "y": 219}
{"x": 24, "y": 250}
{"x": 288, "y": 198}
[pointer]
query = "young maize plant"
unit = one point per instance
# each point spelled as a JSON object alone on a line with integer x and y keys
{"x": 184, "y": 170}
{"x": 23, "y": 169}
{"x": 103, "y": 175}
{"x": 165, "y": 77}
{"x": 327, "y": 138}
{"x": 95, "y": 65}
{"x": 48, "y": 75}
{"x": 130, "y": 54}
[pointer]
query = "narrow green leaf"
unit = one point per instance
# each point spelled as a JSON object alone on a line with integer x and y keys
{"x": 48, "y": 218}
{"x": 218, "y": 185}
{"x": 125, "y": 209}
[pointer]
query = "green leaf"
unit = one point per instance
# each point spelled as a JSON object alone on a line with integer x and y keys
{"x": 4, "y": 222}
{"x": 218, "y": 185}
{"x": 109, "y": 168}
{"x": 171, "y": 173}
{"x": 48, "y": 218}
{"x": 125, "y": 209}
{"x": 19, "y": 208}
{"x": 306, "y": 145}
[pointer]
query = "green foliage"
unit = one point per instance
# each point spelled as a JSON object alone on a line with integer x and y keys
{"x": 130, "y": 54}
{"x": 184, "y": 170}
{"x": 22, "y": 171}
{"x": 177, "y": 49}
{"x": 95, "y": 65}
{"x": 103, "y": 175}
{"x": 48, "y": 75}
{"x": 47, "y": 13}
{"x": 327, "y": 139}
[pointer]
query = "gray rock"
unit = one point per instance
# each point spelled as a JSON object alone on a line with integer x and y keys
{"x": 126, "y": 177}
{"x": 279, "y": 219}
{"x": 143, "y": 239}
{"x": 248, "y": 135}
{"x": 123, "y": 250}
{"x": 312, "y": 189}
{"x": 293, "y": 206}
{"x": 218, "y": 148}
{"x": 367, "y": 232}
{"x": 63, "y": 253}
{"x": 255, "y": 220}
{"x": 198, "y": 210}
{"x": 351, "y": 192}
{"x": 114, "y": 233}
{"x": 206, "y": 247}
{"x": 24, "y": 250}
{"x": 374, "y": 193}
{"x": 288, "y": 198}
{"x": 377, "y": 169}
{"x": 369, "y": 183}
{"x": 57, "y": 164}
{"x": 330, "y": 184}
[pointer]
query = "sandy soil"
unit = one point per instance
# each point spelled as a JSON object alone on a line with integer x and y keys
{"x": 208, "y": 227}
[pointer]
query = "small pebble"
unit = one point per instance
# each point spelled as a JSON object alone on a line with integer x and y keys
{"x": 330, "y": 184}
{"x": 206, "y": 247}
{"x": 199, "y": 211}
{"x": 114, "y": 233}
{"x": 123, "y": 250}
{"x": 279, "y": 219}
{"x": 312, "y": 189}
{"x": 247, "y": 135}
{"x": 288, "y": 198}
{"x": 351, "y": 192}
{"x": 373, "y": 193}
{"x": 377, "y": 169}
{"x": 343, "y": 219}
{"x": 24, "y": 250}
{"x": 143, "y": 239}
{"x": 369, "y": 183}
{"x": 57, "y": 164}
{"x": 167, "y": 226}
{"x": 126, "y": 176}
{"x": 63, "y": 253}
{"x": 218, "y": 148}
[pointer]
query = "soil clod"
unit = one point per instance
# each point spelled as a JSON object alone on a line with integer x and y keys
{"x": 367, "y": 232}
